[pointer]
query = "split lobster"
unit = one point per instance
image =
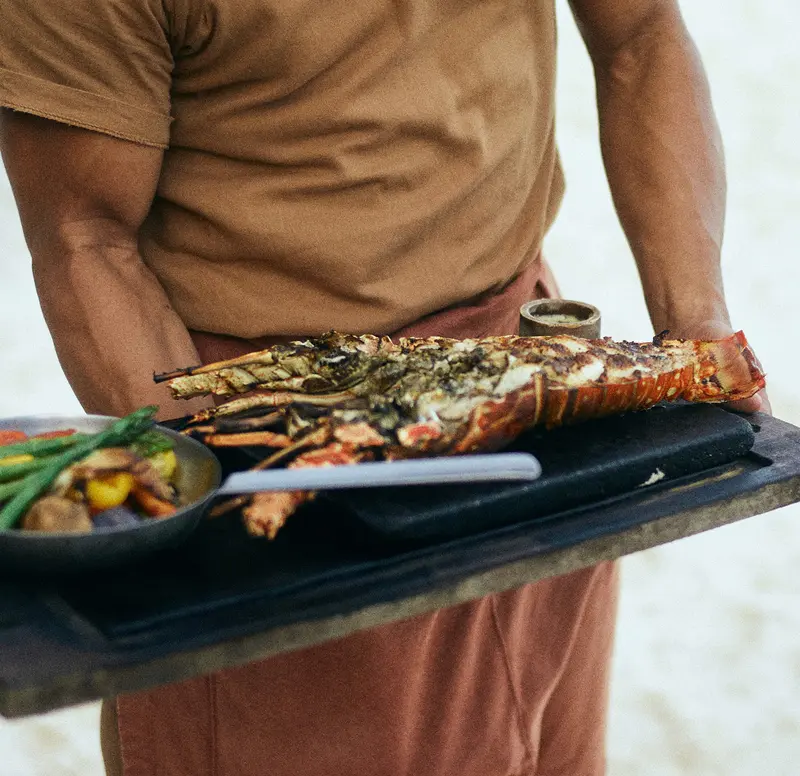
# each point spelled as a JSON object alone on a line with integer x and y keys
{"x": 341, "y": 399}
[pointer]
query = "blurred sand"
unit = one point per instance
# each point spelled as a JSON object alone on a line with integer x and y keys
{"x": 708, "y": 658}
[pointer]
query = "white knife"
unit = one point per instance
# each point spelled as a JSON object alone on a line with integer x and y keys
{"x": 496, "y": 467}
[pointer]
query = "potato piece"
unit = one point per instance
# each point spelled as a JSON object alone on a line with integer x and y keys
{"x": 165, "y": 463}
{"x": 56, "y": 514}
{"x": 117, "y": 517}
{"x": 109, "y": 490}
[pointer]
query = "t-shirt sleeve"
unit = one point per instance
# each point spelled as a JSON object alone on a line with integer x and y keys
{"x": 104, "y": 65}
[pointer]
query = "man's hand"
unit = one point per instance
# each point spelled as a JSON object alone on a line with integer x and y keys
{"x": 715, "y": 330}
{"x": 664, "y": 162}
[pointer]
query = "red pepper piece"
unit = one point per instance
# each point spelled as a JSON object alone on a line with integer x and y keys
{"x": 11, "y": 436}
{"x": 55, "y": 434}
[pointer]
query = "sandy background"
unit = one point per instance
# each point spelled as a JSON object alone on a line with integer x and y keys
{"x": 707, "y": 666}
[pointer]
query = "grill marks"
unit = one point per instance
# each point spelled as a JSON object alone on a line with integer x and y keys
{"x": 341, "y": 399}
{"x": 437, "y": 394}
{"x": 346, "y": 379}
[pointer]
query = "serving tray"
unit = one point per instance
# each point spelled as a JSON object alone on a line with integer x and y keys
{"x": 330, "y": 544}
{"x": 224, "y": 598}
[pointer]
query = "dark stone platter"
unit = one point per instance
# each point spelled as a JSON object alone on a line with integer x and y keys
{"x": 358, "y": 559}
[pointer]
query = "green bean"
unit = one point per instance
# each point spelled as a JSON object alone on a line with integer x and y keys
{"x": 15, "y": 471}
{"x": 121, "y": 432}
{"x": 9, "y": 489}
{"x": 150, "y": 443}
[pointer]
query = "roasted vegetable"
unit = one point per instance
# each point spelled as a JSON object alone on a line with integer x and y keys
{"x": 111, "y": 476}
{"x": 64, "y": 432}
{"x": 57, "y": 514}
{"x": 165, "y": 463}
{"x": 110, "y": 490}
{"x": 9, "y": 470}
{"x": 120, "y": 433}
{"x": 151, "y": 443}
{"x": 118, "y": 517}
{"x": 152, "y": 505}
{"x": 12, "y": 460}
{"x": 10, "y": 436}
{"x": 40, "y": 447}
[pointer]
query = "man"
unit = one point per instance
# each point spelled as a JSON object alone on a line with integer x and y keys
{"x": 198, "y": 177}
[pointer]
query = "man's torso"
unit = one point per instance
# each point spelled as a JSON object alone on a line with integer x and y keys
{"x": 351, "y": 165}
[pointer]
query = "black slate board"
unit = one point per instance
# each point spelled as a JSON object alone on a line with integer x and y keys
{"x": 224, "y": 598}
{"x": 580, "y": 464}
{"x": 342, "y": 537}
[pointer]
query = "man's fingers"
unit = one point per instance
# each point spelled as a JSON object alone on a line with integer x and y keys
{"x": 757, "y": 403}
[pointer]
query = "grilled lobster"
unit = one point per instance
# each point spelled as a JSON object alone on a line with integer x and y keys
{"x": 340, "y": 398}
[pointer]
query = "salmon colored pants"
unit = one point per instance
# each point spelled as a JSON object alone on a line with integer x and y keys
{"x": 511, "y": 684}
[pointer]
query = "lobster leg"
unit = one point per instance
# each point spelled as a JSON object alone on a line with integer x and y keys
{"x": 248, "y": 439}
{"x": 317, "y": 437}
{"x": 269, "y": 400}
{"x": 268, "y": 511}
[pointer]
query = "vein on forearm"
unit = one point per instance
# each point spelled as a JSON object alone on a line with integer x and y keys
{"x": 664, "y": 160}
{"x": 112, "y": 323}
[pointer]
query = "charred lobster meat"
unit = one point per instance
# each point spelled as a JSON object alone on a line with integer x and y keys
{"x": 340, "y": 398}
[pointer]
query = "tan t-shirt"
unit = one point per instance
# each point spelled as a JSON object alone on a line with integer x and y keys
{"x": 347, "y": 164}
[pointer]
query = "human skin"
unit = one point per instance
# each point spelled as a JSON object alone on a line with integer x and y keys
{"x": 82, "y": 197}
{"x": 664, "y": 161}
{"x": 112, "y": 323}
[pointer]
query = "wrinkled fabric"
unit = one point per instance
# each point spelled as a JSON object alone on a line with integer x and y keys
{"x": 372, "y": 167}
{"x": 319, "y": 157}
{"x": 511, "y": 684}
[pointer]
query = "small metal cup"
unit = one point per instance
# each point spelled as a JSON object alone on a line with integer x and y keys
{"x": 544, "y": 317}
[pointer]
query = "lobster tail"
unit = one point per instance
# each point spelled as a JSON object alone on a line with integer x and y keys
{"x": 339, "y": 399}
{"x": 727, "y": 370}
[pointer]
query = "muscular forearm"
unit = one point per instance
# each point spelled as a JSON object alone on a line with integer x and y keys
{"x": 111, "y": 323}
{"x": 82, "y": 198}
{"x": 664, "y": 162}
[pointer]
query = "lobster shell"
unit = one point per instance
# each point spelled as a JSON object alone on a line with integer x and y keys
{"x": 487, "y": 392}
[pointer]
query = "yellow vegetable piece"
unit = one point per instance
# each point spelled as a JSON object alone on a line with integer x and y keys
{"x": 109, "y": 491}
{"x": 165, "y": 463}
{"x": 14, "y": 459}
